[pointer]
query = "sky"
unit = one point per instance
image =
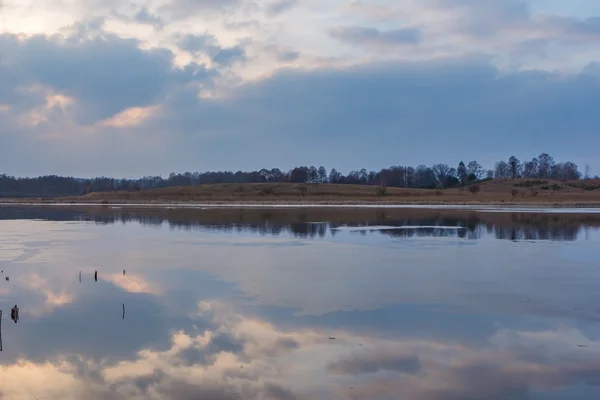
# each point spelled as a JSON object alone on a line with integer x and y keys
{"x": 148, "y": 87}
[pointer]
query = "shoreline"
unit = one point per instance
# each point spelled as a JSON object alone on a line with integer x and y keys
{"x": 587, "y": 207}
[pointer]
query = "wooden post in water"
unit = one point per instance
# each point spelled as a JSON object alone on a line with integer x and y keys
{"x": 0, "y": 330}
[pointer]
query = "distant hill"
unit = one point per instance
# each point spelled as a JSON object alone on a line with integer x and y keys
{"x": 503, "y": 191}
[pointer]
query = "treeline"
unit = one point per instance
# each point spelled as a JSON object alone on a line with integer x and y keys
{"x": 434, "y": 177}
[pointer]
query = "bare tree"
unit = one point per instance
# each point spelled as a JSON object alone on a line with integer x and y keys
{"x": 474, "y": 168}
{"x": 530, "y": 169}
{"x": 546, "y": 162}
{"x": 322, "y": 174}
{"x": 461, "y": 171}
{"x": 514, "y": 166}
{"x": 587, "y": 171}
{"x": 441, "y": 172}
{"x": 501, "y": 170}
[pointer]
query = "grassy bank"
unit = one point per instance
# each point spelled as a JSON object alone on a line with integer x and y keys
{"x": 504, "y": 192}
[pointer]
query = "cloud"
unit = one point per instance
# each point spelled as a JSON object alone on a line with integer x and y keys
{"x": 430, "y": 369}
{"x": 132, "y": 283}
{"x": 374, "y": 362}
{"x": 283, "y": 54}
{"x": 208, "y": 44}
{"x": 143, "y": 16}
{"x": 198, "y": 43}
{"x": 454, "y": 100}
{"x": 103, "y": 75}
{"x": 288, "y": 55}
{"x": 228, "y": 56}
{"x": 211, "y": 71}
{"x": 182, "y": 9}
{"x": 588, "y": 28}
{"x": 276, "y": 392}
{"x": 276, "y": 7}
{"x": 374, "y": 37}
{"x": 513, "y": 20}
{"x": 486, "y": 17}
{"x": 376, "y": 12}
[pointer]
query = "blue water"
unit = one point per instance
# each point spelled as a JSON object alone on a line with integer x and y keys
{"x": 285, "y": 305}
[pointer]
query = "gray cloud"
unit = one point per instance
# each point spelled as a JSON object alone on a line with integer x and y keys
{"x": 277, "y": 7}
{"x": 394, "y": 97}
{"x": 583, "y": 28}
{"x": 208, "y": 44}
{"x": 288, "y": 55}
{"x": 143, "y": 16}
{"x": 374, "y": 362}
{"x": 485, "y": 19}
{"x": 179, "y": 390}
{"x": 273, "y": 391}
{"x": 180, "y": 9}
{"x": 248, "y": 24}
{"x": 459, "y": 103}
{"x": 286, "y": 344}
{"x": 104, "y": 75}
{"x": 283, "y": 54}
{"x": 374, "y": 37}
{"x": 225, "y": 342}
{"x": 198, "y": 43}
{"x": 227, "y": 56}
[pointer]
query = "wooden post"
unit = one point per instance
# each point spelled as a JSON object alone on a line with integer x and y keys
{"x": 0, "y": 330}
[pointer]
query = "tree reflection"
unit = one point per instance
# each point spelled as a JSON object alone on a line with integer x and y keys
{"x": 319, "y": 223}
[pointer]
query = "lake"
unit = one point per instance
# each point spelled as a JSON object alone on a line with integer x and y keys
{"x": 299, "y": 303}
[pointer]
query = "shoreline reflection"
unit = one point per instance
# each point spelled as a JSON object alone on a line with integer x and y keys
{"x": 313, "y": 223}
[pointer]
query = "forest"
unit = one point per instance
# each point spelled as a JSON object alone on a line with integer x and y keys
{"x": 438, "y": 176}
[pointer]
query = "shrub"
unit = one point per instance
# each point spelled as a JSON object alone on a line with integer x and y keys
{"x": 528, "y": 184}
{"x": 266, "y": 191}
{"x": 439, "y": 193}
{"x": 586, "y": 187}
{"x": 474, "y": 189}
{"x": 514, "y": 192}
{"x": 381, "y": 191}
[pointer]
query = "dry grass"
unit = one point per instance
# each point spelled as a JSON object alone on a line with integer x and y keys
{"x": 520, "y": 191}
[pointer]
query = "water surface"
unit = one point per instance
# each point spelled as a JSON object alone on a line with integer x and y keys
{"x": 299, "y": 304}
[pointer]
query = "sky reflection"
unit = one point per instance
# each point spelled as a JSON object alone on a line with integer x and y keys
{"x": 235, "y": 314}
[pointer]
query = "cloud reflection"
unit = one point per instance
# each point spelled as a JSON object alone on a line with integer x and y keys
{"x": 236, "y": 316}
{"x": 235, "y": 360}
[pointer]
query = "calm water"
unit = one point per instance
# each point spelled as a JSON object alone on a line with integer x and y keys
{"x": 299, "y": 304}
